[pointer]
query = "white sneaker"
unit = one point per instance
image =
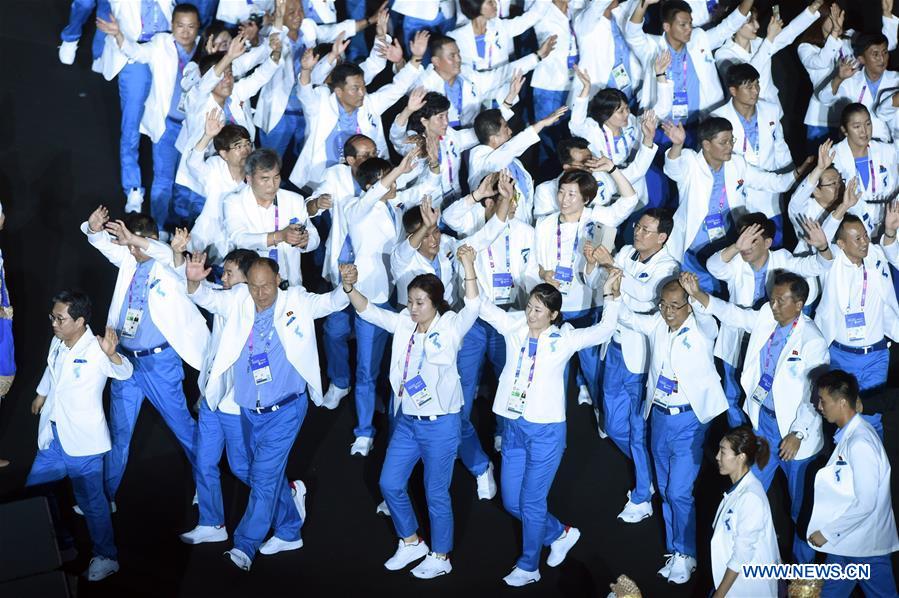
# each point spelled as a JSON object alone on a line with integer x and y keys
{"x": 78, "y": 510}
{"x": 498, "y": 444}
{"x": 405, "y": 554}
{"x": 205, "y": 533}
{"x": 135, "y": 200}
{"x": 635, "y": 512}
{"x": 239, "y": 558}
{"x": 666, "y": 570}
{"x": 486, "y": 484}
{"x": 298, "y": 491}
{"x": 274, "y": 545}
{"x": 383, "y": 509}
{"x": 101, "y": 568}
{"x": 432, "y": 567}
{"x": 558, "y": 550}
{"x": 599, "y": 430}
{"x": 362, "y": 446}
{"x": 332, "y": 398}
{"x": 520, "y": 577}
{"x": 67, "y": 52}
{"x": 682, "y": 567}
{"x": 583, "y": 396}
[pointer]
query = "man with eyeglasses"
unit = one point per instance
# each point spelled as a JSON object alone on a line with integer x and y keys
{"x": 785, "y": 350}
{"x": 158, "y": 326}
{"x": 72, "y": 435}
{"x": 683, "y": 395}
{"x": 713, "y": 188}
{"x": 645, "y": 265}
{"x": 748, "y": 268}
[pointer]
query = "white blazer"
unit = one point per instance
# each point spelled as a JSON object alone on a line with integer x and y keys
{"x": 424, "y": 9}
{"x": 451, "y": 147}
{"x": 484, "y": 160}
{"x": 322, "y": 113}
{"x": 295, "y": 315}
{"x": 689, "y": 353}
{"x": 127, "y": 14}
{"x": 804, "y": 353}
{"x": 225, "y": 402}
{"x": 237, "y": 11}
{"x": 247, "y": 226}
{"x": 700, "y": 48}
{"x": 855, "y": 89}
{"x": 596, "y": 43}
{"x": 545, "y": 402}
{"x": 694, "y": 179}
{"x": 338, "y": 183}
{"x": 499, "y": 38}
{"x": 183, "y": 327}
{"x": 882, "y": 157}
{"x": 502, "y": 11}
{"x": 744, "y": 535}
{"x": 740, "y": 279}
{"x": 522, "y": 265}
{"x": 552, "y": 73}
{"x": 217, "y": 183}
{"x": 441, "y": 346}
{"x": 853, "y": 508}
{"x": 74, "y": 391}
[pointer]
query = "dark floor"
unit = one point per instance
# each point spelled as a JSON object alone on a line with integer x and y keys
{"x": 58, "y": 160}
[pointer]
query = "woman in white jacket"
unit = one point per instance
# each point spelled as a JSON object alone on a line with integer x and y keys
{"x": 531, "y": 396}
{"x": 743, "y": 529}
{"x": 426, "y": 408}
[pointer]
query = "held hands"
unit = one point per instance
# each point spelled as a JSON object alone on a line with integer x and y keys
{"x": 296, "y": 235}
{"x": 466, "y": 255}
{"x": 98, "y": 219}
{"x": 602, "y": 257}
{"x": 323, "y": 202}
{"x": 588, "y": 250}
{"x": 690, "y": 282}
{"x": 612, "y": 285}
{"x": 195, "y": 269}
{"x": 109, "y": 341}
{"x": 349, "y": 276}
{"x": 548, "y": 45}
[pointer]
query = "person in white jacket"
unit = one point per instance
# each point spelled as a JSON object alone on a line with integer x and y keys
{"x": 437, "y": 17}
{"x": 158, "y": 327}
{"x": 487, "y": 41}
{"x": 853, "y": 521}
{"x": 427, "y": 399}
{"x": 743, "y": 531}
{"x": 269, "y": 220}
{"x": 573, "y": 153}
{"x": 531, "y": 396}
{"x": 785, "y": 351}
{"x": 72, "y": 434}
{"x": 599, "y": 27}
{"x": 683, "y": 395}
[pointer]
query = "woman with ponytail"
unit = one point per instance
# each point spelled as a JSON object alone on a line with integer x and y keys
{"x": 743, "y": 529}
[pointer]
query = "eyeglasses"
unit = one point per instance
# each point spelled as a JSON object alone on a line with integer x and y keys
{"x": 57, "y": 319}
{"x": 640, "y": 228}
{"x": 670, "y": 307}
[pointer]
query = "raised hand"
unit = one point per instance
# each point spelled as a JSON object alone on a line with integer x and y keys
{"x": 338, "y": 47}
{"x": 584, "y": 77}
{"x": 109, "y": 341}
{"x": 349, "y": 275}
{"x": 603, "y": 257}
{"x": 429, "y": 216}
{"x": 649, "y": 122}
{"x": 515, "y": 86}
{"x": 237, "y": 46}
{"x": 110, "y": 27}
{"x": 690, "y": 282}
{"x": 122, "y": 235}
{"x": 891, "y": 221}
{"x": 749, "y": 235}
{"x": 505, "y": 184}
{"x": 383, "y": 17}
{"x": 487, "y": 187}
{"x": 552, "y": 118}
{"x": 612, "y": 285}
{"x": 214, "y": 122}
{"x": 813, "y": 232}
{"x": 548, "y": 45}
{"x": 663, "y": 61}
{"x": 675, "y": 132}
{"x": 308, "y": 60}
{"x": 603, "y": 164}
{"x": 180, "y": 240}
{"x": 392, "y": 52}
{"x": 416, "y": 99}
{"x": 466, "y": 254}
{"x": 419, "y": 44}
{"x": 825, "y": 155}
{"x": 852, "y": 193}
{"x": 195, "y": 269}
{"x": 847, "y": 68}
{"x": 98, "y": 219}
{"x": 775, "y": 26}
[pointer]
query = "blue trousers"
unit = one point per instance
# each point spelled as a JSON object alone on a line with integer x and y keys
{"x": 547, "y": 101}
{"x": 53, "y": 463}
{"x": 870, "y": 370}
{"x": 677, "y": 454}
{"x": 158, "y": 378}
{"x": 371, "y": 342}
{"x": 218, "y": 432}
{"x": 696, "y": 264}
{"x": 733, "y": 391}
{"x": 288, "y": 135}
{"x": 164, "y": 190}
{"x": 590, "y": 372}
{"x": 882, "y": 584}
{"x": 435, "y": 444}
{"x": 78, "y": 15}
{"x": 622, "y": 392}
{"x": 271, "y": 503}
{"x": 411, "y": 26}
{"x": 531, "y": 456}
{"x": 134, "y": 87}
{"x": 480, "y": 342}
{"x": 357, "y": 51}
{"x": 795, "y": 471}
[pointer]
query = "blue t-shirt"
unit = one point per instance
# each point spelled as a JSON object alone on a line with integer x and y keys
{"x": 873, "y": 86}
{"x": 686, "y": 83}
{"x": 183, "y": 58}
{"x": 717, "y": 205}
{"x": 152, "y": 20}
{"x": 751, "y": 131}
{"x": 622, "y": 57}
{"x": 147, "y": 335}
{"x": 760, "y": 292}
{"x": 863, "y": 167}
{"x": 768, "y": 357}
{"x": 481, "y": 45}
{"x": 347, "y": 126}
{"x": 454, "y": 95}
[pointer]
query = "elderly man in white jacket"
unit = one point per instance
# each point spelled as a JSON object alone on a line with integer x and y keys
{"x": 158, "y": 326}
{"x": 785, "y": 350}
{"x": 852, "y": 521}
{"x": 72, "y": 434}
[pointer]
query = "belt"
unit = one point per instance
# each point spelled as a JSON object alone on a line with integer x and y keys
{"x": 279, "y": 405}
{"x": 145, "y": 352}
{"x": 878, "y": 346}
{"x": 673, "y": 410}
{"x": 293, "y": 112}
{"x": 428, "y": 418}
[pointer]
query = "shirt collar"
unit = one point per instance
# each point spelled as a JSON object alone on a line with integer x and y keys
{"x": 840, "y": 431}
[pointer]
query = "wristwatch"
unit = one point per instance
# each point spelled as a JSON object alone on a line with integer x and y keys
{"x": 799, "y": 435}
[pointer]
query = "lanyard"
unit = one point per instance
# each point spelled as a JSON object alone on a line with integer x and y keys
{"x": 873, "y": 178}
{"x": 864, "y": 289}
{"x": 406, "y": 365}
{"x": 520, "y": 361}
{"x": 572, "y": 38}
{"x": 684, "y": 65}
{"x": 755, "y": 147}
{"x": 508, "y": 254}
{"x": 771, "y": 342}
{"x": 449, "y": 153}
{"x": 276, "y": 213}
{"x": 605, "y": 135}
{"x": 141, "y": 296}
{"x": 723, "y": 198}
{"x": 671, "y": 339}
{"x": 268, "y": 341}
{"x": 559, "y": 242}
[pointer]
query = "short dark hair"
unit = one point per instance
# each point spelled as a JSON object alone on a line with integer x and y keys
{"x": 435, "y": 103}
{"x": 349, "y": 148}
{"x": 585, "y": 182}
{"x": 847, "y": 220}
{"x": 863, "y": 41}
{"x": 186, "y": 8}
{"x": 262, "y": 159}
{"x": 712, "y": 126}
{"x": 605, "y": 103}
{"x": 664, "y": 217}
{"x": 672, "y": 7}
{"x": 849, "y": 110}
{"x": 551, "y": 297}
{"x": 769, "y": 229}
{"x": 798, "y": 285}
{"x": 228, "y": 136}
{"x": 487, "y": 124}
{"x": 141, "y": 224}
{"x": 841, "y": 384}
{"x": 564, "y": 147}
{"x": 471, "y": 8}
{"x": 244, "y": 259}
{"x": 412, "y": 220}
{"x": 370, "y": 172}
{"x": 342, "y": 72}
{"x": 437, "y": 41}
{"x": 266, "y": 262}
{"x": 671, "y": 283}
{"x": 741, "y": 73}
{"x": 433, "y": 288}
{"x": 79, "y": 304}
{"x": 742, "y": 440}
{"x": 209, "y": 61}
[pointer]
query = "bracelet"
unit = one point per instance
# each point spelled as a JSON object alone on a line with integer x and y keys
{"x": 539, "y": 58}
{"x": 346, "y": 291}
{"x": 660, "y": 74}
{"x": 468, "y": 279}
{"x": 608, "y": 295}
{"x": 885, "y": 234}
{"x": 507, "y": 104}
{"x": 613, "y": 169}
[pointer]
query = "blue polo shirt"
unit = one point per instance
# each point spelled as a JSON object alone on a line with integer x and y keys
{"x": 147, "y": 335}
{"x": 768, "y": 357}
